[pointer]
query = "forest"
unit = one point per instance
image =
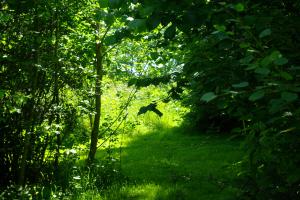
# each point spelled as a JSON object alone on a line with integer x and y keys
{"x": 150, "y": 99}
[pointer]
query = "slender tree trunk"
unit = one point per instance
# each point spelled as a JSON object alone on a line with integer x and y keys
{"x": 56, "y": 88}
{"x": 31, "y": 113}
{"x": 98, "y": 93}
{"x": 57, "y": 121}
{"x": 22, "y": 178}
{"x": 30, "y": 127}
{"x": 91, "y": 120}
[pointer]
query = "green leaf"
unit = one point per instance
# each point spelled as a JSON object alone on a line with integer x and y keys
{"x": 246, "y": 60}
{"x": 266, "y": 61}
{"x": 244, "y": 45}
{"x": 170, "y": 32}
{"x": 2, "y": 93}
{"x": 241, "y": 85}
{"x": 220, "y": 28}
{"x": 138, "y": 25}
{"x": 281, "y": 61}
{"x": 109, "y": 19}
{"x": 275, "y": 55}
{"x": 146, "y": 11}
{"x": 252, "y": 66}
{"x": 15, "y": 110}
{"x": 154, "y": 55}
{"x": 286, "y": 76}
{"x": 209, "y": 96}
{"x": 77, "y": 177}
{"x": 110, "y": 40}
{"x": 239, "y": 7}
{"x": 104, "y": 3}
{"x": 293, "y": 176}
{"x": 153, "y": 21}
{"x": 115, "y": 3}
{"x": 265, "y": 33}
{"x": 122, "y": 33}
{"x": 257, "y": 95}
{"x": 276, "y": 105}
{"x": 99, "y": 15}
{"x": 289, "y": 96}
{"x": 262, "y": 71}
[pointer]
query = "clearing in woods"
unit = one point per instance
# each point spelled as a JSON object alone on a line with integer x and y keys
{"x": 168, "y": 164}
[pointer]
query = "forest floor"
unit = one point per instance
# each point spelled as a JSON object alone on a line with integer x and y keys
{"x": 169, "y": 164}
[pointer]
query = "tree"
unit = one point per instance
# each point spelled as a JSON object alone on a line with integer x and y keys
{"x": 99, "y": 27}
{"x": 238, "y": 68}
{"x": 99, "y": 77}
{"x": 31, "y": 80}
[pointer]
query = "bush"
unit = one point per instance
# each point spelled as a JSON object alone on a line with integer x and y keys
{"x": 271, "y": 170}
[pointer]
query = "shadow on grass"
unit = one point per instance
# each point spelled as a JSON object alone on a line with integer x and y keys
{"x": 167, "y": 164}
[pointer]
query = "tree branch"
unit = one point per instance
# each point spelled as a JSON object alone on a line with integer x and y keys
{"x": 133, "y": 92}
{"x": 106, "y": 31}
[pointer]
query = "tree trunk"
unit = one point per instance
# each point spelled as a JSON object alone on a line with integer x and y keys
{"x": 23, "y": 164}
{"x": 98, "y": 93}
{"x": 30, "y": 112}
{"x": 56, "y": 90}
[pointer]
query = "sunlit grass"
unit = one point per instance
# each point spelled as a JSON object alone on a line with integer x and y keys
{"x": 199, "y": 165}
{"x": 143, "y": 191}
{"x": 161, "y": 161}
{"x": 168, "y": 164}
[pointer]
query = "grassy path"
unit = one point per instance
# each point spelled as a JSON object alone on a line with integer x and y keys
{"x": 171, "y": 165}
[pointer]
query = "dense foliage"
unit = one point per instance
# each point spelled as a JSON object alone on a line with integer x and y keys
{"x": 32, "y": 79}
{"x": 241, "y": 70}
{"x": 234, "y": 64}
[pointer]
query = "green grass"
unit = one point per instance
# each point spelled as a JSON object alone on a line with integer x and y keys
{"x": 167, "y": 164}
{"x": 162, "y": 162}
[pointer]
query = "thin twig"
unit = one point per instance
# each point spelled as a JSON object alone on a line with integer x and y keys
{"x": 132, "y": 93}
{"x": 113, "y": 133}
{"x": 106, "y": 31}
{"x": 111, "y": 48}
